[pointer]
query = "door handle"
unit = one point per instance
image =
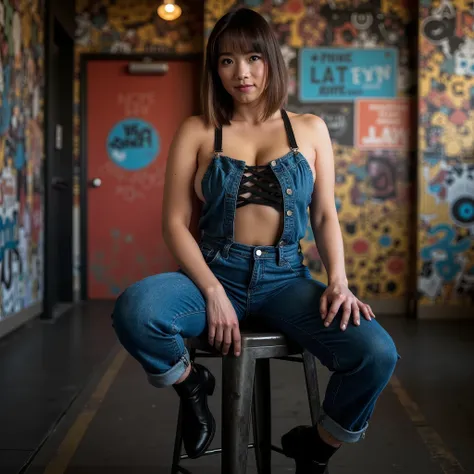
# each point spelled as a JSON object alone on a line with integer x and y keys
{"x": 95, "y": 183}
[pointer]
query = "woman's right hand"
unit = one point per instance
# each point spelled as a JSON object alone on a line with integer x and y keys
{"x": 223, "y": 322}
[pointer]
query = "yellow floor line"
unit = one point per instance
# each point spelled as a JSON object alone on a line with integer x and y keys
{"x": 68, "y": 447}
{"x": 436, "y": 447}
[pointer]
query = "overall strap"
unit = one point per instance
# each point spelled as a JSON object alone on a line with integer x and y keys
{"x": 289, "y": 131}
{"x": 218, "y": 141}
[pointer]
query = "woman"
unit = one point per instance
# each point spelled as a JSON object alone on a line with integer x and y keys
{"x": 257, "y": 169}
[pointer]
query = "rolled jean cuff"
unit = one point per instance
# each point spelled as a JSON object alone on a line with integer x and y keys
{"x": 340, "y": 433}
{"x": 172, "y": 375}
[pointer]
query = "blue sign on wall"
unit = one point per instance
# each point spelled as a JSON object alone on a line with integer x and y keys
{"x": 133, "y": 144}
{"x": 342, "y": 74}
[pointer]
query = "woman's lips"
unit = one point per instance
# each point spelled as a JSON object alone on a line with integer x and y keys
{"x": 245, "y": 88}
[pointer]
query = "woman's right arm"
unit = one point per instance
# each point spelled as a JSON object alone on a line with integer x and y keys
{"x": 178, "y": 205}
{"x": 177, "y": 211}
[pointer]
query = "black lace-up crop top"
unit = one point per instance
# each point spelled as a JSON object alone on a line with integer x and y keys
{"x": 259, "y": 184}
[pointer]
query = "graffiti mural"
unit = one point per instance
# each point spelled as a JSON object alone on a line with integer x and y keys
{"x": 446, "y": 142}
{"x": 372, "y": 185}
{"x": 21, "y": 155}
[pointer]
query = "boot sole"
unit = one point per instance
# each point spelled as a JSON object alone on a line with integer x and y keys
{"x": 210, "y": 392}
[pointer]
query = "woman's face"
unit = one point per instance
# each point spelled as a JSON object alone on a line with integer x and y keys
{"x": 243, "y": 75}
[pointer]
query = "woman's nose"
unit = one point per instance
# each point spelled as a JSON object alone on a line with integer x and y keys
{"x": 242, "y": 71}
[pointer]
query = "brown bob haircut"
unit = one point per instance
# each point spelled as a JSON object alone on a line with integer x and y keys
{"x": 243, "y": 31}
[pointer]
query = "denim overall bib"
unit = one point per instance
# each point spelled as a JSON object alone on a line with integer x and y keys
{"x": 270, "y": 283}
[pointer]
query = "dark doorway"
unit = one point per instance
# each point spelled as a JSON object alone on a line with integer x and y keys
{"x": 59, "y": 171}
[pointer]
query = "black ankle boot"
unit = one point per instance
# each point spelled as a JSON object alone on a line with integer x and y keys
{"x": 305, "y": 446}
{"x": 198, "y": 424}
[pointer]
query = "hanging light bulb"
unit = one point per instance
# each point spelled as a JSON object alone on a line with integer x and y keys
{"x": 169, "y": 11}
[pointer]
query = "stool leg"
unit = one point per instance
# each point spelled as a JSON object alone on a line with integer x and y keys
{"x": 237, "y": 385}
{"x": 312, "y": 388}
{"x": 178, "y": 440}
{"x": 262, "y": 413}
{"x": 178, "y": 443}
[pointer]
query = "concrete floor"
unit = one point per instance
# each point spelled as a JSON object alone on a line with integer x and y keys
{"x": 76, "y": 403}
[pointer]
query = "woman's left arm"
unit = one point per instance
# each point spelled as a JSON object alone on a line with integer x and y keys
{"x": 328, "y": 236}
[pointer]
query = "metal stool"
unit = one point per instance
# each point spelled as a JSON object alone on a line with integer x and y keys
{"x": 242, "y": 377}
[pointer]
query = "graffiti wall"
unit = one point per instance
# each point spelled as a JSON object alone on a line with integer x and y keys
{"x": 127, "y": 27}
{"x": 446, "y": 143}
{"x": 350, "y": 63}
{"x": 21, "y": 155}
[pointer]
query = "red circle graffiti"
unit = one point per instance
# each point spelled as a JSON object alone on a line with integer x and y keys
{"x": 360, "y": 246}
{"x": 395, "y": 265}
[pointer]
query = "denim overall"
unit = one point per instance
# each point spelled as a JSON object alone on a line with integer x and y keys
{"x": 268, "y": 283}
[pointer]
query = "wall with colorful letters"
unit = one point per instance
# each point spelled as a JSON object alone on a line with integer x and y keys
{"x": 350, "y": 63}
{"x": 354, "y": 64}
{"x": 21, "y": 156}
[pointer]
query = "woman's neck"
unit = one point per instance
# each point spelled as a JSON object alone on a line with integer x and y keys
{"x": 249, "y": 113}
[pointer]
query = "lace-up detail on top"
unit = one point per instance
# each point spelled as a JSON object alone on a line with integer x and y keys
{"x": 259, "y": 185}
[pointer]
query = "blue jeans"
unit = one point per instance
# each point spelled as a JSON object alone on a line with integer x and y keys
{"x": 272, "y": 285}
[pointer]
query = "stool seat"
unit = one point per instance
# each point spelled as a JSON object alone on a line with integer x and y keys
{"x": 246, "y": 395}
{"x": 264, "y": 344}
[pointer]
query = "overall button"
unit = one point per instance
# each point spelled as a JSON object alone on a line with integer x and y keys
{"x": 289, "y": 213}
{"x": 289, "y": 192}
{"x": 258, "y": 252}
{"x": 273, "y": 163}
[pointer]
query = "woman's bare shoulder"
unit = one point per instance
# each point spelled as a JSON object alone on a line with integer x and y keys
{"x": 190, "y": 138}
{"x": 307, "y": 120}
{"x": 310, "y": 124}
{"x": 194, "y": 126}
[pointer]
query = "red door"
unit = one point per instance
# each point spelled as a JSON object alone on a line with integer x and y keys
{"x": 131, "y": 121}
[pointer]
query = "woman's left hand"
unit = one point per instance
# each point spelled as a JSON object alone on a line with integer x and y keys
{"x": 337, "y": 295}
